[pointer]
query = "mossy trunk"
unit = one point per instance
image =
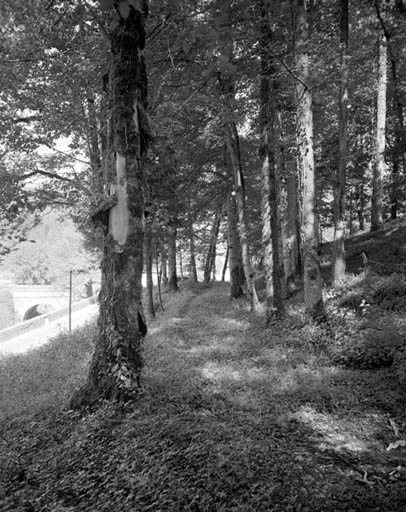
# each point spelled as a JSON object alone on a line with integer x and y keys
{"x": 117, "y": 361}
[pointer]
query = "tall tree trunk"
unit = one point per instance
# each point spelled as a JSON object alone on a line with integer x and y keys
{"x": 379, "y": 167}
{"x": 292, "y": 229}
{"x": 148, "y": 266}
{"x": 399, "y": 150}
{"x": 311, "y": 265}
{"x": 224, "y": 270}
{"x": 180, "y": 263}
{"x": 361, "y": 206}
{"x": 226, "y": 88}
{"x": 400, "y": 139}
{"x": 193, "y": 268}
{"x": 164, "y": 269}
{"x": 158, "y": 275}
{"x": 239, "y": 191}
{"x": 350, "y": 216}
{"x": 117, "y": 360}
{"x": 173, "y": 277}
{"x": 237, "y": 280}
{"x": 271, "y": 207}
{"x": 211, "y": 251}
{"x": 338, "y": 262}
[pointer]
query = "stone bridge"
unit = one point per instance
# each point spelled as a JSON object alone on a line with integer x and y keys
{"x": 22, "y": 302}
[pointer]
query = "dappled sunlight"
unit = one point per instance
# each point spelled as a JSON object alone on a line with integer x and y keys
{"x": 334, "y": 432}
{"x": 222, "y": 323}
{"x": 228, "y": 373}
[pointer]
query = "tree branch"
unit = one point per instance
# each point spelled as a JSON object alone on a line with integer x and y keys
{"x": 381, "y": 21}
{"x": 52, "y": 175}
{"x": 48, "y": 145}
{"x": 28, "y": 119}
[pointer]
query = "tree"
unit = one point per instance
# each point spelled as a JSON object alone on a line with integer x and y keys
{"x": 211, "y": 251}
{"x": 237, "y": 277}
{"x": 271, "y": 206}
{"x": 379, "y": 167}
{"x": 117, "y": 361}
{"x": 338, "y": 263}
{"x": 311, "y": 263}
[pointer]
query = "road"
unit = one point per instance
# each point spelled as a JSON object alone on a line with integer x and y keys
{"x": 41, "y": 335}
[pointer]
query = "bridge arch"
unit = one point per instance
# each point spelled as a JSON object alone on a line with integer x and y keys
{"x": 37, "y": 310}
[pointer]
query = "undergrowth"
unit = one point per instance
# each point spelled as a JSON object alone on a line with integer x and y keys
{"x": 234, "y": 417}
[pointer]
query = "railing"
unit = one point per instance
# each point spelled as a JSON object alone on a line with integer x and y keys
{"x": 39, "y": 321}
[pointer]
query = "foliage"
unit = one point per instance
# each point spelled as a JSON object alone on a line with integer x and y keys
{"x": 44, "y": 258}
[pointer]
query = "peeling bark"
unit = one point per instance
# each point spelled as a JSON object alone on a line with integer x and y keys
{"x": 117, "y": 362}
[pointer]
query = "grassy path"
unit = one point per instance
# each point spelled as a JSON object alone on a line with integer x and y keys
{"x": 233, "y": 418}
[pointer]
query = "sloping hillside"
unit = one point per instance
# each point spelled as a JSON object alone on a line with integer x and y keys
{"x": 385, "y": 251}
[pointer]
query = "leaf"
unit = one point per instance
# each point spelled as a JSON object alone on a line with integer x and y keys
{"x": 124, "y": 9}
{"x": 114, "y": 24}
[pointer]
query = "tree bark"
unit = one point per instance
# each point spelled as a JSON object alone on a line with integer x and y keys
{"x": 361, "y": 206}
{"x": 235, "y": 259}
{"x": 271, "y": 207}
{"x": 173, "y": 277}
{"x": 338, "y": 260}
{"x": 239, "y": 191}
{"x": 223, "y": 272}
{"x": 379, "y": 167}
{"x": 148, "y": 266}
{"x": 399, "y": 150}
{"x": 311, "y": 266}
{"x": 117, "y": 361}
{"x": 211, "y": 251}
{"x": 164, "y": 269}
{"x": 292, "y": 230}
{"x": 193, "y": 268}
{"x": 158, "y": 276}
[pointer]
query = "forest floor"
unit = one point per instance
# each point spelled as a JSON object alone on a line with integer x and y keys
{"x": 234, "y": 417}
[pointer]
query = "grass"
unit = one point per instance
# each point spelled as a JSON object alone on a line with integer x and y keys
{"x": 234, "y": 417}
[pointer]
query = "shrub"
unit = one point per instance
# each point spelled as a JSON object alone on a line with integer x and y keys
{"x": 374, "y": 348}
